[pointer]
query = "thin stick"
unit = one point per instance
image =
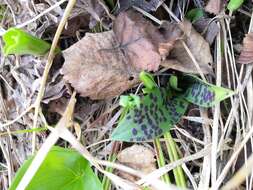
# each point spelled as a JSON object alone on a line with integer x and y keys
{"x": 51, "y": 55}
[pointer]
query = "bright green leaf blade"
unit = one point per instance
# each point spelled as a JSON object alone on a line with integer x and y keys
{"x": 63, "y": 169}
{"x": 19, "y": 42}
{"x": 154, "y": 117}
{"x": 204, "y": 94}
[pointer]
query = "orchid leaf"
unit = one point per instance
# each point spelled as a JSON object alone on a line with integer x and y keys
{"x": 19, "y": 42}
{"x": 155, "y": 116}
{"x": 202, "y": 93}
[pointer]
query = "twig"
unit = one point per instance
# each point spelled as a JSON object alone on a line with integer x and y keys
{"x": 51, "y": 55}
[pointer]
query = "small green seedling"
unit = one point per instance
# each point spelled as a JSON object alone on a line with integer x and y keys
{"x": 19, "y": 42}
{"x": 161, "y": 108}
{"x": 234, "y": 5}
{"x": 195, "y": 14}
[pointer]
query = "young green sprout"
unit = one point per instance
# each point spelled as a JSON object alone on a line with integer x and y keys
{"x": 19, "y": 42}
{"x": 234, "y": 5}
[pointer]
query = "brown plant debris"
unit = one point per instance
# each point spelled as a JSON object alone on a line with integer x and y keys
{"x": 138, "y": 157}
{"x": 137, "y": 36}
{"x": 246, "y": 55}
{"x": 143, "y": 43}
{"x": 146, "y": 5}
{"x": 179, "y": 58}
{"x": 96, "y": 69}
{"x": 213, "y": 6}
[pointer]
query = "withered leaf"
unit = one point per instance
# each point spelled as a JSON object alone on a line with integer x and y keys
{"x": 144, "y": 44}
{"x": 95, "y": 68}
{"x": 138, "y": 39}
{"x": 138, "y": 157}
{"x": 146, "y": 5}
{"x": 180, "y": 60}
{"x": 213, "y": 6}
{"x": 207, "y": 28}
{"x": 246, "y": 55}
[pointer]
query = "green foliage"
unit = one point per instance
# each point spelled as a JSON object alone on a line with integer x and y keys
{"x": 129, "y": 101}
{"x": 234, "y": 5}
{"x": 204, "y": 94}
{"x": 148, "y": 81}
{"x": 63, "y": 169}
{"x": 161, "y": 108}
{"x": 173, "y": 82}
{"x": 154, "y": 117}
{"x": 194, "y": 14}
{"x": 19, "y": 42}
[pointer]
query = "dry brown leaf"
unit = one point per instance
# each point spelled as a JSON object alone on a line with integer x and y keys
{"x": 180, "y": 60}
{"x": 143, "y": 43}
{"x": 132, "y": 32}
{"x": 146, "y": 5}
{"x": 138, "y": 39}
{"x": 97, "y": 69}
{"x": 246, "y": 55}
{"x": 208, "y": 28}
{"x": 213, "y": 6}
{"x": 138, "y": 157}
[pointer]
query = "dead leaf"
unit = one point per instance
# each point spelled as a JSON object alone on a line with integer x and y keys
{"x": 213, "y": 6}
{"x": 95, "y": 68}
{"x": 143, "y": 43}
{"x": 179, "y": 58}
{"x": 138, "y": 157}
{"x": 207, "y": 28}
{"x": 138, "y": 39}
{"x": 246, "y": 55}
{"x": 146, "y": 5}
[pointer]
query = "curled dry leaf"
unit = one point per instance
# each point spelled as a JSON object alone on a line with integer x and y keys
{"x": 138, "y": 157}
{"x": 246, "y": 55}
{"x": 136, "y": 36}
{"x": 213, "y": 6}
{"x": 180, "y": 60}
{"x": 143, "y": 43}
{"x": 97, "y": 69}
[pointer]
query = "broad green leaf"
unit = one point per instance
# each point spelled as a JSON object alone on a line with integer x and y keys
{"x": 154, "y": 117}
{"x": 63, "y": 169}
{"x": 20, "y": 43}
{"x": 204, "y": 94}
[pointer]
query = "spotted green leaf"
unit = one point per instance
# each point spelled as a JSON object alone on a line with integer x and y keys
{"x": 155, "y": 116}
{"x": 204, "y": 94}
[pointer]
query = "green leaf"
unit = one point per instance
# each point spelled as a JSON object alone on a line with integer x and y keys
{"x": 204, "y": 94}
{"x": 62, "y": 169}
{"x": 148, "y": 80}
{"x": 19, "y": 42}
{"x": 173, "y": 82}
{"x": 130, "y": 101}
{"x": 234, "y": 5}
{"x": 155, "y": 116}
{"x": 194, "y": 14}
